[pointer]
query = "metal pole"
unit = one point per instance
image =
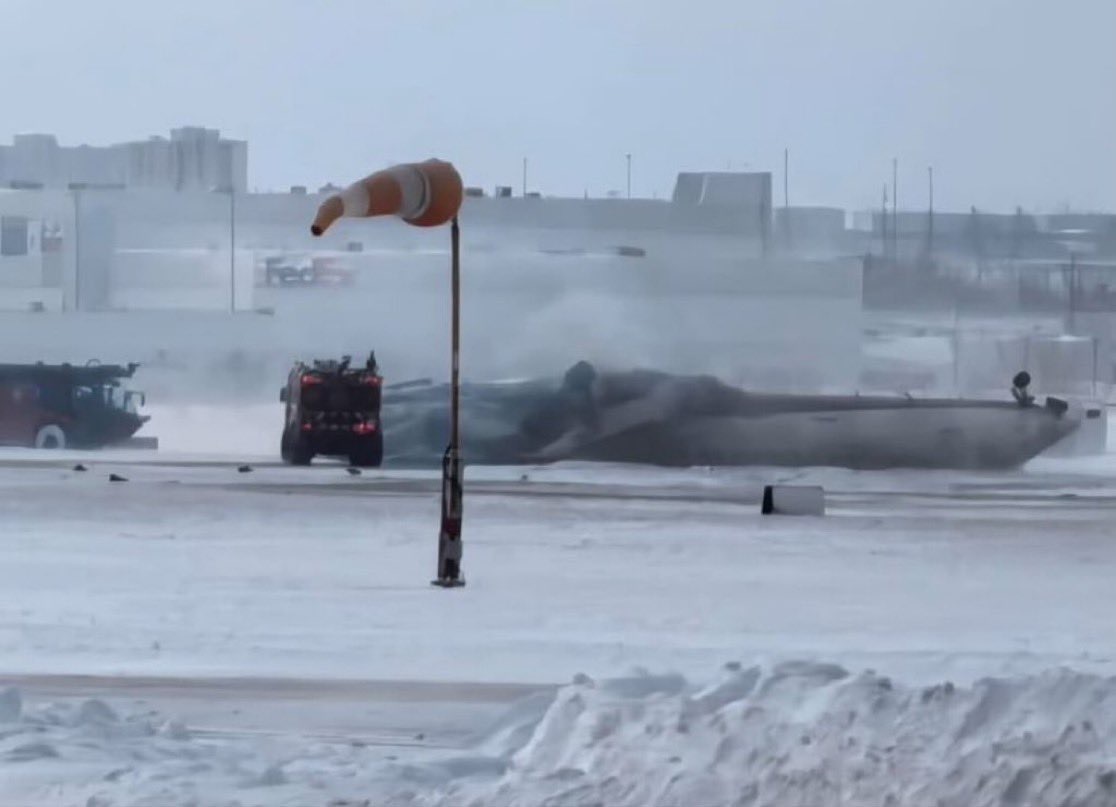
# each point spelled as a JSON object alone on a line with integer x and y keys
{"x": 930, "y": 220}
{"x": 895, "y": 206}
{"x": 232, "y": 250}
{"x": 629, "y": 158}
{"x": 524, "y": 177}
{"x": 449, "y": 538}
{"x": 455, "y": 336}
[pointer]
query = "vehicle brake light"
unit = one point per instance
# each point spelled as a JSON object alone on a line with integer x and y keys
{"x": 307, "y": 427}
{"x": 310, "y": 379}
{"x": 373, "y": 380}
{"x": 364, "y": 428}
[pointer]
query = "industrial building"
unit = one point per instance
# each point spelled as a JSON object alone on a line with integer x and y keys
{"x": 192, "y": 158}
{"x": 164, "y": 269}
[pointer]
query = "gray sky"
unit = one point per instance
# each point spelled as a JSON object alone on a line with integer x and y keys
{"x": 1012, "y": 101}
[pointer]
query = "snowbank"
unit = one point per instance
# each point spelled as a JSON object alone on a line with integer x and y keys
{"x": 798, "y": 733}
{"x": 87, "y": 753}
{"x": 812, "y": 734}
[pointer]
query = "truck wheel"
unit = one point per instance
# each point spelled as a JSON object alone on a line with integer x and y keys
{"x": 50, "y": 436}
{"x": 368, "y": 455}
{"x": 294, "y": 451}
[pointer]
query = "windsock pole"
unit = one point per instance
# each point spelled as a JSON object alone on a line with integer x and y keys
{"x": 426, "y": 194}
{"x": 453, "y": 484}
{"x": 455, "y": 338}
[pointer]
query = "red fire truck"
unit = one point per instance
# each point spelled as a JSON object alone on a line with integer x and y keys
{"x": 68, "y": 406}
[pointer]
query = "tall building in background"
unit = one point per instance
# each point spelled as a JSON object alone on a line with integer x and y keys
{"x": 149, "y": 164}
{"x": 747, "y": 193}
{"x": 194, "y": 158}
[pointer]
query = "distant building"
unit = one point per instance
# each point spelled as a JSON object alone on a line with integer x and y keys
{"x": 194, "y": 158}
{"x": 723, "y": 189}
{"x": 746, "y": 193}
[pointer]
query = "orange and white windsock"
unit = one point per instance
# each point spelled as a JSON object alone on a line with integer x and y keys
{"x": 425, "y": 194}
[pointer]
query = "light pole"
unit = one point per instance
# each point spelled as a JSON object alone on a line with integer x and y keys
{"x": 426, "y": 194}
{"x": 895, "y": 207}
{"x": 628, "y": 157}
{"x": 930, "y": 214}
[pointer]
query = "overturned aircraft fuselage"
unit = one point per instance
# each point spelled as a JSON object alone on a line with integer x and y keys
{"x": 662, "y": 419}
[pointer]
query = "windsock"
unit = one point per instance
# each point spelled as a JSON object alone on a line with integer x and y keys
{"x": 425, "y": 194}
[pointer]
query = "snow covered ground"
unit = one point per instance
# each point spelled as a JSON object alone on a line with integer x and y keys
{"x": 200, "y": 635}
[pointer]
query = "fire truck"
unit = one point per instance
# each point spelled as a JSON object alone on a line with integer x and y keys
{"x": 68, "y": 406}
{"x": 306, "y": 270}
{"x": 333, "y": 409}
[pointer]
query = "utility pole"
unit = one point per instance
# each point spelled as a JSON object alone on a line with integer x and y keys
{"x": 930, "y": 216}
{"x": 629, "y": 159}
{"x": 895, "y": 206}
{"x": 524, "y": 177}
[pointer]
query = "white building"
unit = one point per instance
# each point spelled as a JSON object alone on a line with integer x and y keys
{"x": 194, "y": 158}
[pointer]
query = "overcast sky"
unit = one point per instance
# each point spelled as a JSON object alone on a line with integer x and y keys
{"x": 1012, "y": 101}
